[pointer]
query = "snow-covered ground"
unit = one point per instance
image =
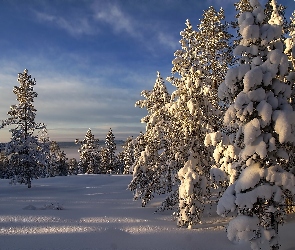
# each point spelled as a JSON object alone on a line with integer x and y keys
{"x": 97, "y": 212}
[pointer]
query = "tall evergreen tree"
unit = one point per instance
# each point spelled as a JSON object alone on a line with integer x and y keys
{"x": 89, "y": 161}
{"x": 260, "y": 124}
{"x": 201, "y": 65}
{"x": 24, "y": 155}
{"x": 149, "y": 173}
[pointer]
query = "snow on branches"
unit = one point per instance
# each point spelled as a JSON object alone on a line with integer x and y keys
{"x": 25, "y": 153}
{"x": 259, "y": 127}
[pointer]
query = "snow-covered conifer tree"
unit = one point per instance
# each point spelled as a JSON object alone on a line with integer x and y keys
{"x": 201, "y": 64}
{"x": 104, "y": 161}
{"x": 44, "y": 144}
{"x": 213, "y": 49}
{"x": 261, "y": 129}
{"x": 4, "y": 166}
{"x": 89, "y": 161}
{"x": 58, "y": 160}
{"x": 110, "y": 146}
{"x": 128, "y": 155}
{"x": 24, "y": 155}
{"x": 73, "y": 166}
{"x": 150, "y": 173}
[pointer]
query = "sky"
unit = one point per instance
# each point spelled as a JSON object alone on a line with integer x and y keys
{"x": 92, "y": 58}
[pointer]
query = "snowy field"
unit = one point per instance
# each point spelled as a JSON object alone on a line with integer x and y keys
{"x": 97, "y": 212}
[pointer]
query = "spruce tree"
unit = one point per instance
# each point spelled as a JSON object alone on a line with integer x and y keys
{"x": 200, "y": 65}
{"x": 150, "y": 167}
{"x": 89, "y": 162}
{"x": 25, "y": 158}
{"x": 58, "y": 160}
{"x": 128, "y": 155}
{"x": 104, "y": 161}
{"x": 73, "y": 166}
{"x": 45, "y": 141}
{"x": 260, "y": 125}
{"x": 110, "y": 146}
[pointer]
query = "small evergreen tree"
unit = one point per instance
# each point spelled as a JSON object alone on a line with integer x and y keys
{"x": 110, "y": 146}
{"x": 4, "y": 166}
{"x": 58, "y": 160}
{"x": 24, "y": 151}
{"x": 119, "y": 164}
{"x": 73, "y": 166}
{"x": 45, "y": 141}
{"x": 89, "y": 162}
{"x": 128, "y": 155}
{"x": 104, "y": 161}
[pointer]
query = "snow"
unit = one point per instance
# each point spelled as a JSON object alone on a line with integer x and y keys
{"x": 253, "y": 78}
{"x": 251, "y": 131}
{"x": 99, "y": 214}
{"x": 282, "y": 125}
{"x": 242, "y": 228}
{"x": 249, "y": 178}
{"x": 264, "y": 111}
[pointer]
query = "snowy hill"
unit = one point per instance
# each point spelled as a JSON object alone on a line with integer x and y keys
{"x": 96, "y": 212}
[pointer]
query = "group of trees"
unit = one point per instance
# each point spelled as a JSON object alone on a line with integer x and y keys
{"x": 102, "y": 160}
{"x": 31, "y": 154}
{"x": 228, "y": 129}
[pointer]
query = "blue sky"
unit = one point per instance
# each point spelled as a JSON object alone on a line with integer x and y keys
{"x": 92, "y": 58}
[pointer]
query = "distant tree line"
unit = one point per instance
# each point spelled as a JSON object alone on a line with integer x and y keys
{"x": 103, "y": 160}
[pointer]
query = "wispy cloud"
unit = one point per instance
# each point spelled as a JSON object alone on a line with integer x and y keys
{"x": 117, "y": 19}
{"x": 75, "y": 26}
{"x": 150, "y": 33}
{"x": 168, "y": 40}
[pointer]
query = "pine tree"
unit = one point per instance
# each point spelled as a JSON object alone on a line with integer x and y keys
{"x": 128, "y": 155}
{"x": 201, "y": 63}
{"x": 119, "y": 164}
{"x": 89, "y": 161}
{"x": 214, "y": 51}
{"x": 110, "y": 146}
{"x": 260, "y": 124}
{"x": 58, "y": 160}
{"x": 73, "y": 166}
{"x": 45, "y": 141}
{"x": 4, "y": 166}
{"x": 104, "y": 161}
{"x": 24, "y": 155}
{"x": 150, "y": 171}
{"x": 241, "y": 6}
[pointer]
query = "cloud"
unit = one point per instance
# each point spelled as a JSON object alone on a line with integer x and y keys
{"x": 75, "y": 26}
{"x": 117, "y": 19}
{"x": 168, "y": 40}
{"x": 149, "y": 32}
